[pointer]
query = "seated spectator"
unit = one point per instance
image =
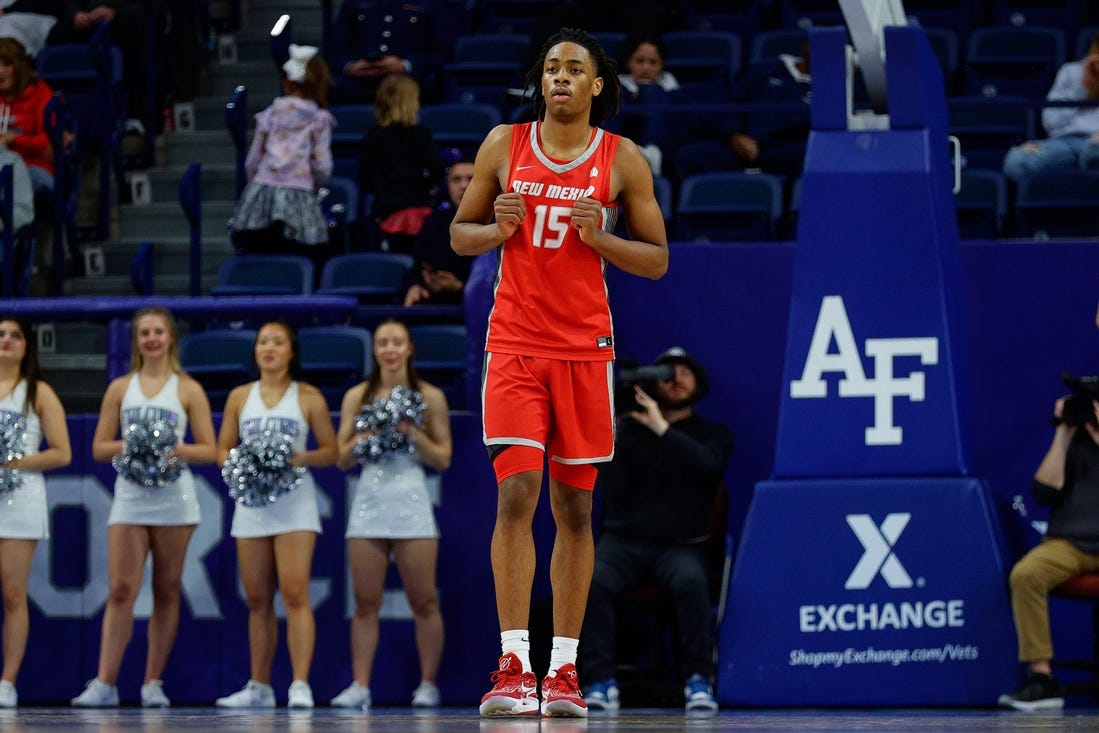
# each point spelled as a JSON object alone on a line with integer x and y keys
{"x": 658, "y": 494}
{"x": 773, "y": 142}
{"x": 1073, "y": 131}
{"x": 24, "y": 96}
{"x": 372, "y": 39}
{"x": 399, "y": 163}
{"x": 440, "y": 273}
{"x": 646, "y": 82}
{"x": 128, "y": 20}
{"x": 1067, "y": 481}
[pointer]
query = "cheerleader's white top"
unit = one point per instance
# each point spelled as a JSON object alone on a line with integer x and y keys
{"x": 174, "y": 503}
{"x": 24, "y": 514}
{"x": 297, "y": 510}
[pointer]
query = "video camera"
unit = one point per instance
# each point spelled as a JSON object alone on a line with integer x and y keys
{"x": 1078, "y": 408}
{"x": 631, "y": 373}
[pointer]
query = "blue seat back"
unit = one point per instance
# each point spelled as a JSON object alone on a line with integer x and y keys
{"x": 264, "y": 275}
{"x": 988, "y": 127}
{"x": 1058, "y": 203}
{"x": 459, "y": 124}
{"x": 440, "y": 357}
{"x": 1013, "y": 60}
{"x": 220, "y": 360}
{"x": 981, "y": 204}
{"x": 334, "y": 359}
{"x": 729, "y": 207}
{"x": 370, "y": 276}
{"x": 704, "y": 62}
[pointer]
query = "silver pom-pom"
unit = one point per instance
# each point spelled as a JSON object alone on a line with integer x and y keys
{"x": 380, "y": 420}
{"x": 13, "y": 435}
{"x": 145, "y": 457}
{"x": 261, "y": 469}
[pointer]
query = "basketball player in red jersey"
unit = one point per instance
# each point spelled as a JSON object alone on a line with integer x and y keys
{"x": 554, "y": 188}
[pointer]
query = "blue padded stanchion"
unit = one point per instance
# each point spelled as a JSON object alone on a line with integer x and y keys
{"x": 869, "y": 571}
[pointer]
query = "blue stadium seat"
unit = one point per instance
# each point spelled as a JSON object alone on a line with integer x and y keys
{"x": 981, "y": 204}
{"x": 459, "y": 125}
{"x": 767, "y": 45}
{"x": 960, "y": 18}
{"x": 264, "y": 275}
{"x": 1083, "y": 40}
{"x": 944, "y": 42}
{"x": 440, "y": 358}
{"x": 89, "y": 75}
{"x": 613, "y": 43}
{"x": 485, "y": 66}
{"x": 1058, "y": 203}
{"x": 806, "y": 13}
{"x": 744, "y": 17}
{"x": 704, "y": 62}
{"x": 339, "y": 200}
{"x": 662, "y": 190}
{"x": 988, "y": 127}
{"x": 374, "y": 277}
{"x": 334, "y": 359}
{"x": 220, "y": 360}
{"x": 1019, "y": 61}
{"x": 509, "y": 16}
{"x": 1061, "y": 14}
{"x": 729, "y": 207}
{"x": 352, "y": 122}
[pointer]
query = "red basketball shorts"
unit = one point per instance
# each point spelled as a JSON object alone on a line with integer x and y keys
{"x": 564, "y": 409}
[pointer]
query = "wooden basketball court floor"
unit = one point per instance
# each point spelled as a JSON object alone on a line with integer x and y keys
{"x": 454, "y": 720}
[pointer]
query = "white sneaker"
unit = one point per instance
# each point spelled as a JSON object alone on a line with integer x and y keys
{"x": 252, "y": 695}
{"x": 300, "y": 695}
{"x": 355, "y": 696}
{"x": 425, "y": 696}
{"x": 152, "y": 695}
{"x": 8, "y": 697}
{"x": 97, "y": 694}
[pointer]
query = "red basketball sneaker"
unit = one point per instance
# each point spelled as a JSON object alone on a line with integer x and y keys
{"x": 514, "y": 692}
{"x": 561, "y": 696}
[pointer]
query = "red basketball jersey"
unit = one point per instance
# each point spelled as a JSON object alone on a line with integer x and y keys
{"x": 551, "y": 296}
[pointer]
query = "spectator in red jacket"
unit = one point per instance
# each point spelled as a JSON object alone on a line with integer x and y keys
{"x": 23, "y": 99}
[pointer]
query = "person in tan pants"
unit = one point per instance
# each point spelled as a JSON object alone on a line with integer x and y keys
{"x": 1067, "y": 480}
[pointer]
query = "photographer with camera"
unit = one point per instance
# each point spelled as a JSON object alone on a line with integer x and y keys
{"x": 658, "y": 492}
{"x": 1067, "y": 480}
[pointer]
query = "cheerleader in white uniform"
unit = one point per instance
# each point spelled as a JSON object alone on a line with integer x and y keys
{"x": 276, "y": 541}
{"x": 146, "y": 520}
{"x": 392, "y": 512}
{"x": 24, "y": 517}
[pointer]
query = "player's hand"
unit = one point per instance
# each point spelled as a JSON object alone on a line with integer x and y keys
{"x": 510, "y": 212}
{"x": 587, "y": 219}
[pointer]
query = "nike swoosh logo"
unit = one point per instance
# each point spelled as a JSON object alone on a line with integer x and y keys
{"x": 522, "y": 167}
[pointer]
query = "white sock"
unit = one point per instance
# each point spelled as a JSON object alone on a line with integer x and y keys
{"x": 517, "y": 642}
{"x": 563, "y": 652}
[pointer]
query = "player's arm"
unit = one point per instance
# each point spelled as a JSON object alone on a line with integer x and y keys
{"x": 473, "y": 230}
{"x": 646, "y": 253}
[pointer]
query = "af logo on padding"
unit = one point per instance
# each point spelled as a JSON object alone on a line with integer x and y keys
{"x": 832, "y": 323}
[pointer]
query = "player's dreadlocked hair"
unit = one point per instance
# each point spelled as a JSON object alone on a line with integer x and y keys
{"x": 602, "y": 107}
